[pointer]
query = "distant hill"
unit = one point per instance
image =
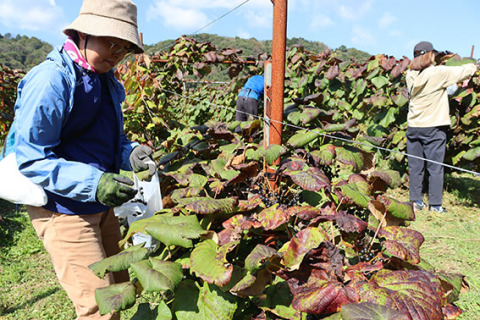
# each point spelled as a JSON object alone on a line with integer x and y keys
{"x": 253, "y": 47}
{"x": 22, "y": 52}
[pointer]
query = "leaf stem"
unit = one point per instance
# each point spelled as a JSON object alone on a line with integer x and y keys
{"x": 376, "y": 231}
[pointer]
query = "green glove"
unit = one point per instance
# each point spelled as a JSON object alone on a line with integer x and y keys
{"x": 141, "y": 159}
{"x": 115, "y": 189}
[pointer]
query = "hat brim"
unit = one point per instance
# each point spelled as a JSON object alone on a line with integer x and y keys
{"x": 105, "y": 27}
{"x": 419, "y": 53}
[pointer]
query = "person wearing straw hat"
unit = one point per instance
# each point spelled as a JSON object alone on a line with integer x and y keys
{"x": 68, "y": 138}
{"x": 428, "y": 119}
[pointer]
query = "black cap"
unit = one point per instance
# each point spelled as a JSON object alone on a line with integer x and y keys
{"x": 422, "y": 47}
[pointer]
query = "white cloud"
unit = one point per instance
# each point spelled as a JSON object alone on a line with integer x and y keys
{"x": 299, "y": 4}
{"x": 321, "y": 6}
{"x": 257, "y": 19}
{"x": 192, "y": 4}
{"x": 32, "y": 15}
{"x": 346, "y": 12}
{"x": 189, "y": 15}
{"x": 195, "y": 5}
{"x": 354, "y": 10}
{"x": 321, "y": 21}
{"x": 256, "y": 13}
{"x": 408, "y": 47}
{"x": 387, "y": 20}
{"x": 362, "y": 36}
{"x": 243, "y": 34}
{"x": 256, "y": 4}
{"x": 184, "y": 20}
{"x": 395, "y": 33}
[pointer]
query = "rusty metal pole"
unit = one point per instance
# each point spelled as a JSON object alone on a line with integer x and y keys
{"x": 279, "y": 45}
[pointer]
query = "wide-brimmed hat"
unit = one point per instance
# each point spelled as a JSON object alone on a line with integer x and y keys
{"x": 422, "y": 47}
{"x": 108, "y": 18}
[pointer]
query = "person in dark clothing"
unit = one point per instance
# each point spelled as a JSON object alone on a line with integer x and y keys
{"x": 249, "y": 97}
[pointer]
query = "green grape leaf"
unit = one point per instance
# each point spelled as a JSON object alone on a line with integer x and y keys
{"x": 120, "y": 261}
{"x": 209, "y": 262}
{"x": 207, "y": 302}
{"x": 115, "y": 297}
{"x": 158, "y": 275}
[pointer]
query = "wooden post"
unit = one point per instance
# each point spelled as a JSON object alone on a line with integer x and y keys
{"x": 267, "y": 103}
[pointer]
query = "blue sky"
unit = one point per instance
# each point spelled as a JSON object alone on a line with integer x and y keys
{"x": 375, "y": 26}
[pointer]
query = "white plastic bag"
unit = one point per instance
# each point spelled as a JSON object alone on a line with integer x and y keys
{"x": 17, "y": 188}
{"x": 452, "y": 89}
{"x": 144, "y": 205}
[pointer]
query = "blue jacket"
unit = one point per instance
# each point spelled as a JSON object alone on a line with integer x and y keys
{"x": 44, "y": 102}
{"x": 253, "y": 88}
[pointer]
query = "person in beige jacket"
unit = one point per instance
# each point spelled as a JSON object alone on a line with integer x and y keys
{"x": 428, "y": 120}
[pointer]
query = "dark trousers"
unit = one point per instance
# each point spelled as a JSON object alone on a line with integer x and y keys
{"x": 428, "y": 143}
{"x": 247, "y": 107}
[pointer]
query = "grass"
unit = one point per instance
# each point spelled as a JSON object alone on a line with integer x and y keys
{"x": 28, "y": 286}
{"x": 30, "y": 290}
{"x": 452, "y": 239}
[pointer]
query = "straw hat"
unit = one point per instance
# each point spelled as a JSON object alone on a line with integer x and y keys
{"x": 108, "y": 18}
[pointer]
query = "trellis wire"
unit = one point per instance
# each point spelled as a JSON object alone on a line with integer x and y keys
{"x": 328, "y": 135}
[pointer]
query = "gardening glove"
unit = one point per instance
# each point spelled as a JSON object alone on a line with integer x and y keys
{"x": 141, "y": 159}
{"x": 114, "y": 189}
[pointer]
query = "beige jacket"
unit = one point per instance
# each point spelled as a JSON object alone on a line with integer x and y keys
{"x": 429, "y": 106}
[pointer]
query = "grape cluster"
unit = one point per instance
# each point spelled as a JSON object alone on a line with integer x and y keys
{"x": 373, "y": 256}
{"x": 366, "y": 255}
{"x": 295, "y": 200}
{"x": 270, "y": 198}
{"x": 282, "y": 196}
{"x": 328, "y": 171}
{"x": 361, "y": 213}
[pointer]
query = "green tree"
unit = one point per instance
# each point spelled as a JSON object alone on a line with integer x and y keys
{"x": 22, "y": 52}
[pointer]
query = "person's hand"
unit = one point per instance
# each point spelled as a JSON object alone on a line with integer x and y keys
{"x": 114, "y": 189}
{"x": 141, "y": 159}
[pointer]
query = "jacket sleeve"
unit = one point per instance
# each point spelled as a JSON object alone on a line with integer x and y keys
{"x": 448, "y": 75}
{"x": 127, "y": 147}
{"x": 42, "y": 107}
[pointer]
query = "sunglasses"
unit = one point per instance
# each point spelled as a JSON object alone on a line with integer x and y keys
{"x": 116, "y": 48}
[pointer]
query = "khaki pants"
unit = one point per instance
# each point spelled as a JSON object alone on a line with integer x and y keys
{"x": 74, "y": 242}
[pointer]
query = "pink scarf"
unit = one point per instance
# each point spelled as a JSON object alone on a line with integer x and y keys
{"x": 71, "y": 48}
